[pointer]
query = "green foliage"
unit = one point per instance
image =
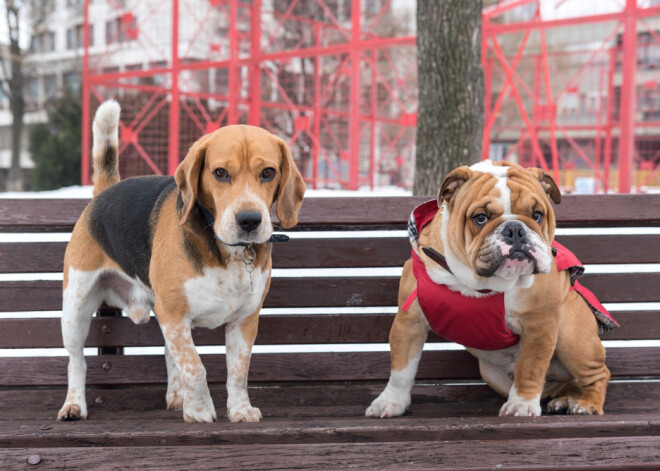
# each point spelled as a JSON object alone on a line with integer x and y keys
{"x": 55, "y": 145}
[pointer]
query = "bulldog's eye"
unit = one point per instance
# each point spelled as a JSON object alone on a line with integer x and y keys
{"x": 267, "y": 174}
{"x": 537, "y": 216}
{"x": 480, "y": 219}
{"x": 221, "y": 175}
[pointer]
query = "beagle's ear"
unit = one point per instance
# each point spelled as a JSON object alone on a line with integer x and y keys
{"x": 187, "y": 177}
{"x": 547, "y": 182}
{"x": 291, "y": 190}
{"x": 453, "y": 182}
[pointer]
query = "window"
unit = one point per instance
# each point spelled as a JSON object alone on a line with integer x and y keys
{"x": 123, "y": 28}
{"x": 50, "y": 86}
{"x": 33, "y": 90}
{"x": 43, "y": 42}
{"x": 75, "y": 39}
{"x": 72, "y": 81}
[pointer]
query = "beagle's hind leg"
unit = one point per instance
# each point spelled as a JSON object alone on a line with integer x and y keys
{"x": 81, "y": 298}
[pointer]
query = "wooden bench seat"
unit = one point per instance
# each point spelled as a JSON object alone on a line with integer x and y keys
{"x": 314, "y": 393}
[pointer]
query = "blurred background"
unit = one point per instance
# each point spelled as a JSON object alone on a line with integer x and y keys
{"x": 572, "y": 86}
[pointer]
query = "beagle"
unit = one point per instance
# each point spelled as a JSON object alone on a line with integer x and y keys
{"x": 194, "y": 248}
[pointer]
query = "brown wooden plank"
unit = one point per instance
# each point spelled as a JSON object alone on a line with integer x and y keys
{"x": 273, "y": 330}
{"x": 146, "y": 404}
{"x": 120, "y": 431}
{"x": 45, "y": 257}
{"x": 629, "y": 453}
{"x": 119, "y": 369}
{"x": 339, "y": 291}
{"x": 574, "y": 211}
{"x": 32, "y": 257}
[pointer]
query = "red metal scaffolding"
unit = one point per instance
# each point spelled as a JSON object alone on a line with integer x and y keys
{"x": 568, "y": 87}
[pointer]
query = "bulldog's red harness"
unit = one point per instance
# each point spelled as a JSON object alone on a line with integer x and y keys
{"x": 479, "y": 322}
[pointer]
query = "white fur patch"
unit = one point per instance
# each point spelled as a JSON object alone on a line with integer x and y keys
{"x": 225, "y": 295}
{"x": 519, "y": 406}
{"x": 228, "y": 229}
{"x": 395, "y": 398}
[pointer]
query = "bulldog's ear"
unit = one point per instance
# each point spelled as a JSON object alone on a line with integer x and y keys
{"x": 548, "y": 183}
{"x": 187, "y": 176}
{"x": 291, "y": 191}
{"x": 453, "y": 182}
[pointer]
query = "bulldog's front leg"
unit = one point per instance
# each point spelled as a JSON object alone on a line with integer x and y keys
{"x": 239, "y": 339}
{"x": 197, "y": 402}
{"x": 407, "y": 338}
{"x": 537, "y": 346}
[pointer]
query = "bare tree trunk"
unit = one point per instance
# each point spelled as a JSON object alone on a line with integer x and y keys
{"x": 451, "y": 89}
{"x": 17, "y": 103}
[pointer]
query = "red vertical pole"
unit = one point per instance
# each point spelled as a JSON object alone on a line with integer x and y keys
{"x": 316, "y": 142}
{"x": 234, "y": 85}
{"x": 255, "y": 69}
{"x": 173, "y": 157}
{"x": 551, "y": 108}
{"x": 488, "y": 77}
{"x": 599, "y": 124}
{"x": 374, "y": 109}
{"x": 84, "y": 163}
{"x": 627, "y": 113}
{"x": 354, "y": 124}
{"x": 608, "y": 121}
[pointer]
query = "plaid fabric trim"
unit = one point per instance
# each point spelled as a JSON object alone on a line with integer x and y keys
{"x": 413, "y": 235}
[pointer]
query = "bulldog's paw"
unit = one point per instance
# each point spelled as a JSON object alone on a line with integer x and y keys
{"x": 199, "y": 409}
{"x": 244, "y": 414}
{"x": 388, "y": 405}
{"x": 71, "y": 411}
{"x": 559, "y": 405}
{"x": 582, "y": 407}
{"x": 520, "y": 407}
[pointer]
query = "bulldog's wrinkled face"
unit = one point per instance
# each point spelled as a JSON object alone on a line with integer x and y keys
{"x": 498, "y": 222}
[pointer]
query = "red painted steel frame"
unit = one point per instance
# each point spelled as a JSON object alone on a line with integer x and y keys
{"x": 252, "y": 64}
{"x": 350, "y": 141}
{"x": 544, "y": 121}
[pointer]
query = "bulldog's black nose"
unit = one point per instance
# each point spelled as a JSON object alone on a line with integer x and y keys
{"x": 248, "y": 220}
{"x": 513, "y": 233}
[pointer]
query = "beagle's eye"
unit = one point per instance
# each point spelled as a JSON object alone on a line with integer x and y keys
{"x": 221, "y": 175}
{"x": 267, "y": 174}
{"x": 480, "y": 219}
{"x": 538, "y": 216}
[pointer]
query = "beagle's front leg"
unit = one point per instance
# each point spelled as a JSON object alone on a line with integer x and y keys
{"x": 239, "y": 339}
{"x": 197, "y": 403}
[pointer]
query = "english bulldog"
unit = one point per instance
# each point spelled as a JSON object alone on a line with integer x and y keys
{"x": 486, "y": 273}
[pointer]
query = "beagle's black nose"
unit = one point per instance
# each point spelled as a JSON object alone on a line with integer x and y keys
{"x": 248, "y": 220}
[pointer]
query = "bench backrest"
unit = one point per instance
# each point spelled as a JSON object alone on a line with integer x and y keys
{"x": 323, "y": 320}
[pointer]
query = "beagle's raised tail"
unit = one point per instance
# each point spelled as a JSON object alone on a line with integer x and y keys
{"x": 105, "y": 149}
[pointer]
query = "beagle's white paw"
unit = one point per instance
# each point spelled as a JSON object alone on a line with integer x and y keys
{"x": 245, "y": 413}
{"x": 389, "y": 404}
{"x": 199, "y": 409}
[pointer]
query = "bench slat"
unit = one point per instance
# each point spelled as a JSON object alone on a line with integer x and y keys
{"x": 523, "y": 454}
{"x": 338, "y": 291}
{"x": 273, "y": 330}
{"x": 150, "y": 369}
{"x": 46, "y": 257}
{"x": 29, "y": 215}
{"x": 345, "y": 401}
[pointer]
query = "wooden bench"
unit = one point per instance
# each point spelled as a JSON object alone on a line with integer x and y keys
{"x": 314, "y": 388}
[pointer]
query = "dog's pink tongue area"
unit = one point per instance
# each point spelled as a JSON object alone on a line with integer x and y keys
{"x": 516, "y": 265}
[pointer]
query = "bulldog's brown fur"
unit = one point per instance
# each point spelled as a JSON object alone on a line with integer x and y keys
{"x": 559, "y": 354}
